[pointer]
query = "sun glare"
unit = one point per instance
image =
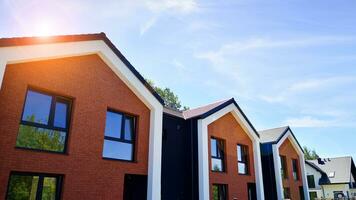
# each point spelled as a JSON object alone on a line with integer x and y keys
{"x": 43, "y": 29}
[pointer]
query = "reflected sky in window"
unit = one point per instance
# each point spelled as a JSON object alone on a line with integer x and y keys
{"x": 60, "y": 117}
{"x": 117, "y": 150}
{"x": 113, "y": 124}
{"x": 37, "y": 107}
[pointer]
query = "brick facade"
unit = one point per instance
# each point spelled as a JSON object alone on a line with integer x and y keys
{"x": 229, "y": 130}
{"x": 94, "y": 88}
{"x": 287, "y": 150}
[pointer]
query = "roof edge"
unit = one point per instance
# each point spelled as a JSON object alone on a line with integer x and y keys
{"x": 37, "y": 40}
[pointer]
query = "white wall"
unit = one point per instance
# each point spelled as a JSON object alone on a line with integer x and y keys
{"x": 317, "y": 176}
{"x": 330, "y": 189}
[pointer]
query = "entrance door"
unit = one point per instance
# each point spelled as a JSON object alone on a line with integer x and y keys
{"x": 251, "y": 189}
{"x": 135, "y": 187}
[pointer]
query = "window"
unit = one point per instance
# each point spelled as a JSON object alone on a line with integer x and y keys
{"x": 311, "y": 181}
{"x": 217, "y": 155}
{"x": 242, "y": 159}
{"x": 219, "y": 192}
{"x": 119, "y": 136}
{"x": 295, "y": 169}
{"x": 45, "y": 122}
{"x": 33, "y": 186}
{"x": 331, "y": 175}
{"x": 286, "y": 193}
{"x": 301, "y": 193}
{"x": 284, "y": 171}
{"x": 313, "y": 195}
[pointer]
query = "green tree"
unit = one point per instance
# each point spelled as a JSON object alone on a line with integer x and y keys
{"x": 310, "y": 154}
{"x": 39, "y": 138}
{"x": 170, "y": 98}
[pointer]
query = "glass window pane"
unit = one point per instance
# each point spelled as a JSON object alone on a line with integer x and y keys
{"x": 242, "y": 168}
{"x": 113, "y": 124}
{"x": 213, "y": 144}
{"x": 216, "y": 164}
{"x": 49, "y": 188}
{"x": 39, "y": 138}
{"x": 22, "y": 187}
{"x": 117, "y": 150}
{"x": 239, "y": 153}
{"x": 60, "y": 116}
{"x": 128, "y": 128}
{"x": 215, "y": 192}
{"x": 37, "y": 107}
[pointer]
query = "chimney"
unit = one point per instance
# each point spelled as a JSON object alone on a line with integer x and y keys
{"x": 320, "y": 161}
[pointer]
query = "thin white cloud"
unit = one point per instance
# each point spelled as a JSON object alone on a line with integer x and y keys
{"x": 321, "y": 83}
{"x": 178, "y": 6}
{"x": 235, "y": 48}
{"x": 146, "y": 26}
{"x": 308, "y": 122}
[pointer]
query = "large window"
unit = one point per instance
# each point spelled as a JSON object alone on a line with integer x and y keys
{"x": 295, "y": 169}
{"x": 45, "y": 122}
{"x": 219, "y": 192}
{"x": 217, "y": 155}
{"x": 242, "y": 159}
{"x": 284, "y": 171}
{"x": 33, "y": 186}
{"x": 313, "y": 195}
{"x": 119, "y": 139}
{"x": 311, "y": 181}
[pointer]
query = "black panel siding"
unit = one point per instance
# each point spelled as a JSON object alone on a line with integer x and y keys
{"x": 269, "y": 180}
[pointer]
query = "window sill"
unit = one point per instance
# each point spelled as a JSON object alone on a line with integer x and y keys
{"x": 120, "y": 160}
{"x": 40, "y": 150}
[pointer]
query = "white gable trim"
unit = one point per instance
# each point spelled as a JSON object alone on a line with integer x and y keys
{"x": 18, "y": 54}
{"x": 277, "y": 164}
{"x": 203, "y": 152}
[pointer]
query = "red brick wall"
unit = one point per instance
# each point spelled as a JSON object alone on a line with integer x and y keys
{"x": 228, "y": 129}
{"x": 286, "y": 149}
{"x": 94, "y": 88}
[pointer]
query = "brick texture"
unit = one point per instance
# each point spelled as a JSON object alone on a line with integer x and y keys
{"x": 94, "y": 87}
{"x": 228, "y": 129}
{"x": 287, "y": 150}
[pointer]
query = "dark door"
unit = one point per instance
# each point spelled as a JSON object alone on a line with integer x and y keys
{"x": 251, "y": 189}
{"x": 135, "y": 187}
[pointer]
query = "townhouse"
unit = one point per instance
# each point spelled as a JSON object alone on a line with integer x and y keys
{"x": 78, "y": 121}
{"x": 211, "y": 152}
{"x": 283, "y": 165}
{"x": 331, "y": 178}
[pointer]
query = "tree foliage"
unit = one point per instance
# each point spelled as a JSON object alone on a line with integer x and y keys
{"x": 310, "y": 154}
{"x": 170, "y": 98}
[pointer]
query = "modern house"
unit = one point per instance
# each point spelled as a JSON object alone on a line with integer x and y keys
{"x": 216, "y": 154}
{"x": 77, "y": 121}
{"x": 339, "y": 177}
{"x": 315, "y": 177}
{"x": 283, "y": 165}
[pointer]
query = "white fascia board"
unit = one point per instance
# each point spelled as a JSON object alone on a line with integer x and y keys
{"x": 203, "y": 152}
{"x": 28, "y": 53}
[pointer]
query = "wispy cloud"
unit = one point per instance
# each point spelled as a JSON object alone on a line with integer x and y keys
{"x": 178, "y": 6}
{"x": 234, "y": 48}
{"x": 308, "y": 122}
{"x": 147, "y": 25}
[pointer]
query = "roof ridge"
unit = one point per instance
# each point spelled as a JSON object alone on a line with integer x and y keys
{"x": 218, "y": 101}
{"x": 265, "y": 130}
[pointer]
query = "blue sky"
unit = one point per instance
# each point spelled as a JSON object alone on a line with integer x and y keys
{"x": 285, "y": 62}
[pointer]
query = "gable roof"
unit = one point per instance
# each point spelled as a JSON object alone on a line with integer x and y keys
{"x": 24, "y": 41}
{"x": 342, "y": 167}
{"x": 274, "y": 135}
{"x": 207, "y": 110}
{"x": 314, "y": 166}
